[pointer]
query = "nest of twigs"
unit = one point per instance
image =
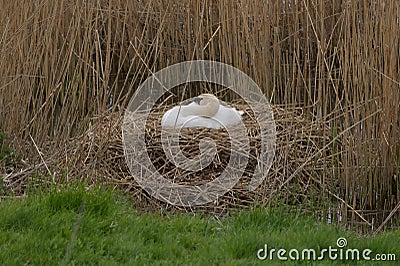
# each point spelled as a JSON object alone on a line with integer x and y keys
{"x": 98, "y": 157}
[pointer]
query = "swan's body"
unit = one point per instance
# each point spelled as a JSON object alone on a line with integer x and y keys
{"x": 205, "y": 111}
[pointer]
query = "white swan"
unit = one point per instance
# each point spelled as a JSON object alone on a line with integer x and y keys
{"x": 205, "y": 111}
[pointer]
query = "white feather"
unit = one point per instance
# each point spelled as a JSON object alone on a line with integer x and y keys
{"x": 189, "y": 115}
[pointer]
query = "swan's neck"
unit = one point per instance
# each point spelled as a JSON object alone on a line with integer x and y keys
{"x": 206, "y": 110}
{"x": 209, "y": 109}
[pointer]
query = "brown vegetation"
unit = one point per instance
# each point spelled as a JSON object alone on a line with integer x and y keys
{"x": 69, "y": 67}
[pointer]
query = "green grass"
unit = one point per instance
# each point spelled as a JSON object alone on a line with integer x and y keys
{"x": 78, "y": 227}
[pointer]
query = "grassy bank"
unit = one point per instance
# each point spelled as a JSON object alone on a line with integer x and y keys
{"x": 75, "y": 226}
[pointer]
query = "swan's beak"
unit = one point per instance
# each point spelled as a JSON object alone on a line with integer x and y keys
{"x": 197, "y": 99}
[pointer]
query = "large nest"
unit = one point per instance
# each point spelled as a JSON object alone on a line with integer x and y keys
{"x": 98, "y": 157}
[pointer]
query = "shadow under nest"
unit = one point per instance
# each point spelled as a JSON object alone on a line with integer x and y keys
{"x": 99, "y": 157}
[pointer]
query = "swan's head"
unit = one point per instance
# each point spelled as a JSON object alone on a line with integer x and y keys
{"x": 209, "y": 104}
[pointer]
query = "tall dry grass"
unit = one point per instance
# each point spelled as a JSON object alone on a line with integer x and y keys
{"x": 64, "y": 62}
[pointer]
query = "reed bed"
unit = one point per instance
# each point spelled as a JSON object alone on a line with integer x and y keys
{"x": 68, "y": 67}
